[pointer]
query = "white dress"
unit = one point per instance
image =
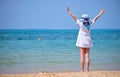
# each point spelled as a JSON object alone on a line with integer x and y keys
{"x": 84, "y": 39}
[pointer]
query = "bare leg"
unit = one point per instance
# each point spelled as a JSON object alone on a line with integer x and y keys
{"x": 82, "y": 56}
{"x": 87, "y": 59}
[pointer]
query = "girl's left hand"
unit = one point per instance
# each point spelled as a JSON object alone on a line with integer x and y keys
{"x": 67, "y": 8}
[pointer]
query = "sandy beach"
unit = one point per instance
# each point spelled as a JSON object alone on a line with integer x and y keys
{"x": 67, "y": 74}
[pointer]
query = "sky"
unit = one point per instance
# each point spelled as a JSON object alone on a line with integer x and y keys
{"x": 51, "y": 14}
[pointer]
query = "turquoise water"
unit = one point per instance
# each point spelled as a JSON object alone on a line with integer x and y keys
{"x": 22, "y": 51}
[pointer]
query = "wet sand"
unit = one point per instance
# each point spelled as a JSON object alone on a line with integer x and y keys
{"x": 67, "y": 74}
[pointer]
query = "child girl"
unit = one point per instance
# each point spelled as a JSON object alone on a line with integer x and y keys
{"x": 84, "y": 41}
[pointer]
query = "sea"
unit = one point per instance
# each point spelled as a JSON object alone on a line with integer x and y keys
{"x": 54, "y": 50}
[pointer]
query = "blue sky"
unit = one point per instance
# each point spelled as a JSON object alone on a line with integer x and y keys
{"x": 51, "y": 14}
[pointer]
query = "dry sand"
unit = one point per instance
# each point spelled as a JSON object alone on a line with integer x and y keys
{"x": 67, "y": 74}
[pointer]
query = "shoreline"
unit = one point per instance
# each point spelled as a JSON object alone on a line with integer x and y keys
{"x": 29, "y": 69}
{"x": 66, "y": 74}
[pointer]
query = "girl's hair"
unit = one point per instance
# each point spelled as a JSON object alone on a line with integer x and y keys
{"x": 86, "y": 21}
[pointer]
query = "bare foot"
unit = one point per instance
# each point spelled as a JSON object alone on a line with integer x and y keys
{"x": 87, "y": 70}
{"x": 82, "y": 70}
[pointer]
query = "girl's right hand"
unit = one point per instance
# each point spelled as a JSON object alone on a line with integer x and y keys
{"x": 102, "y": 11}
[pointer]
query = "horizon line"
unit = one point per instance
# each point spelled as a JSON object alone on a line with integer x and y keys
{"x": 50, "y": 28}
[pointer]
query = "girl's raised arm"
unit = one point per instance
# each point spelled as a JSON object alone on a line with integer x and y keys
{"x": 73, "y": 16}
{"x": 101, "y": 12}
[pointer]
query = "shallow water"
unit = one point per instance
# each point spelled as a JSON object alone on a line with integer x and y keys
{"x": 55, "y": 50}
